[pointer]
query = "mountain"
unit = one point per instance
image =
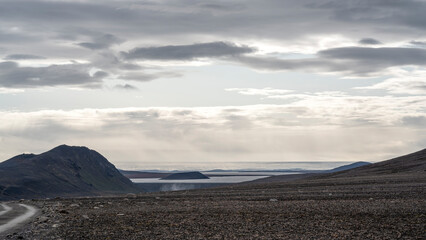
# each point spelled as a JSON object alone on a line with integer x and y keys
{"x": 185, "y": 175}
{"x": 64, "y": 171}
{"x": 348, "y": 166}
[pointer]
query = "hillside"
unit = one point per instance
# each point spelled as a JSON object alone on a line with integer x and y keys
{"x": 63, "y": 171}
{"x": 348, "y": 166}
{"x": 413, "y": 163}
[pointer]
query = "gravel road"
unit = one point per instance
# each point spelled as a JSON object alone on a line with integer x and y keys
{"x": 13, "y": 215}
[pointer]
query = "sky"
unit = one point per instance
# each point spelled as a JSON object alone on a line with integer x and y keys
{"x": 185, "y": 84}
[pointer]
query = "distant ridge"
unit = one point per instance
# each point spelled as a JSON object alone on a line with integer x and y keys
{"x": 64, "y": 171}
{"x": 185, "y": 175}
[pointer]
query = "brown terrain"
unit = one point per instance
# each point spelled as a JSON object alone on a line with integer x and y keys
{"x": 386, "y": 200}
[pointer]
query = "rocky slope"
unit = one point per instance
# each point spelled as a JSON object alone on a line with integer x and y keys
{"x": 63, "y": 171}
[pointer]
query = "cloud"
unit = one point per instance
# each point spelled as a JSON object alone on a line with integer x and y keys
{"x": 188, "y": 52}
{"x": 125, "y": 87}
{"x": 404, "y": 13}
{"x": 107, "y": 59}
{"x": 357, "y": 61}
{"x": 22, "y": 57}
{"x": 369, "y": 41}
{"x": 101, "y": 42}
{"x": 257, "y": 92}
{"x": 340, "y": 108}
{"x": 226, "y": 29}
{"x": 402, "y": 82}
{"x": 313, "y": 127}
{"x": 386, "y": 56}
{"x": 14, "y": 76}
{"x": 417, "y": 121}
{"x": 419, "y": 43}
{"x": 145, "y": 77}
{"x": 10, "y": 90}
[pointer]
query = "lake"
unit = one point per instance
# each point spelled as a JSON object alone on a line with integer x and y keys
{"x": 156, "y": 184}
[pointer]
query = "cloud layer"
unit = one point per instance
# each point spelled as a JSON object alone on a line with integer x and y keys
{"x": 312, "y": 126}
{"x": 241, "y": 31}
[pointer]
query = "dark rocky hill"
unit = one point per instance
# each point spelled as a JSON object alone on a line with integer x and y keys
{"x": 185, "y": 175}
{"x": 61, "y": 172}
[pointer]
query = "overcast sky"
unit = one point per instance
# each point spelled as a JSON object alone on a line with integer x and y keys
{"x": 185, "y": 84}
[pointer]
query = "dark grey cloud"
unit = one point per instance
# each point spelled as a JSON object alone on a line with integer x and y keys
{"x": 22, "y": 57}
{"x": 93, "y": 46}
{"x": 15, "y": 38}
{"x": 188, "y": 52}
{"x": 65, "y": 29}
{"x": 359, "y": 61}
{"x": 419, "y": 43}
{"x": 283, "y": 20}
{"x": 64, "y": 11}
{"x": 369, "y": 41}
{"x": 14, "y": 76}
{"x": 379, "y": 56}
{"x": 101, "y": 42}
{"x": 386, "y": 12}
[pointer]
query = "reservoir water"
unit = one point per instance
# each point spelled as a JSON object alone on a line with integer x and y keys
{"x": 156, "y": 184}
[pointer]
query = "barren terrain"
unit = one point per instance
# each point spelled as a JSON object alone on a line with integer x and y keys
{"x": 385, "y": 207}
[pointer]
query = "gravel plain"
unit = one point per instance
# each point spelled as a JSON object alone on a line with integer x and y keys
{"x": 373, "y": 207}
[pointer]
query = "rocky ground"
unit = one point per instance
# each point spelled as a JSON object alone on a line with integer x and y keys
{"x": 380, "y": 207}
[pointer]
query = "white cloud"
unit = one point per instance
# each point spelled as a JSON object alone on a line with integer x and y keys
{"x": 315, "y": 127}
{"x": 11, "y": 90}
{"x": 261, "y": 92}
{"x": 403, "y": 81}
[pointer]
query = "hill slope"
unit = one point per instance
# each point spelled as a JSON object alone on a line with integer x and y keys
{"x": 410, "y": 163}
{"x": 62, "y": 171}
{"x": 349, "y": 166}
{"x": 414, "y": 164}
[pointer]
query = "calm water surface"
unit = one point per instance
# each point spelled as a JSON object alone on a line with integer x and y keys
{"x": 225, "y": 179}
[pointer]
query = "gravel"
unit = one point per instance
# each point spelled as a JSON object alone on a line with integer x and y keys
{"x": 380, "y": 207}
